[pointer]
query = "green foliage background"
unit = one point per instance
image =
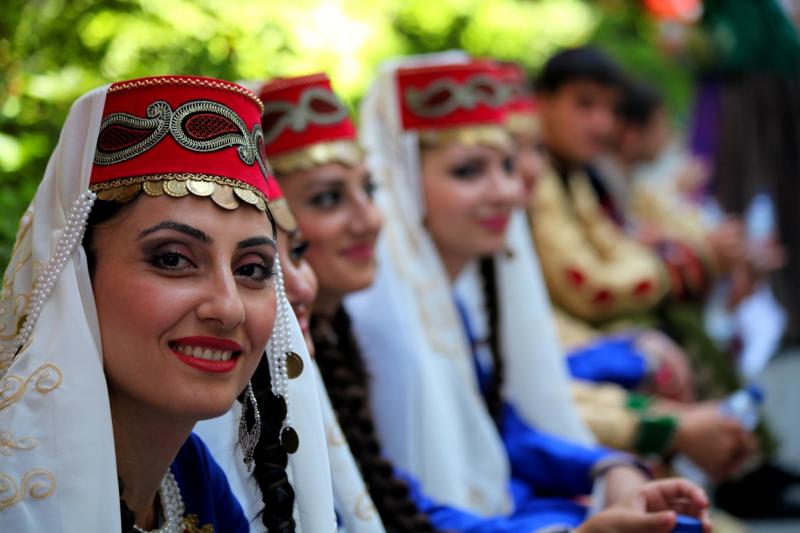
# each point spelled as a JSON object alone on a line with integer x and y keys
{"x": 52, "y": 51}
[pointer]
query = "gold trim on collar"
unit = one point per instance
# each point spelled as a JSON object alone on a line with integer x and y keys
{"x": 492, "y": 136}
{"x": 225, "y": 192}
{"x": 345, "y": 152}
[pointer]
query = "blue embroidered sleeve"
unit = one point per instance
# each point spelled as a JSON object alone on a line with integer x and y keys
{"x": 205, "y": 490}
{"x": 610, "y": 360}
{"x": 550, "y": 465}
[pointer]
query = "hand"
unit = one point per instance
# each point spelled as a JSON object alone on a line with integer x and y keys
{"x": 621, "y": 481}
{"x": 727, "y": 243}
{"x": 717, "y": 444}
{"x": 673, "y": 377}
{"x": 652, "y": 508}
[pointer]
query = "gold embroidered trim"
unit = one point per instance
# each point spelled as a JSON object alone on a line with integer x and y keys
{"x": 195, "y": 82}
{"x": 348, "y": 153}
{"x": 364, "y": 508}
{"x": 38, "y": 489}
{"x": 8, "y": 445}
{"x": 522, "y": 122}
{"x": 227, "y": 193}
{"x": 492, "y": 136}
{"x": 191, "y": 524}
{"x": 13, "y": 387}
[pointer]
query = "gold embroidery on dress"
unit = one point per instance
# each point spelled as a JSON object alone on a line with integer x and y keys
{"x": 335, "y": 437}
{"x": 37, "y": 483}
{"x": 8, "y": 445}
{"x": 45, "y": 379}
{"x": 191, "y": 524}
{"x": 364, "y": 508}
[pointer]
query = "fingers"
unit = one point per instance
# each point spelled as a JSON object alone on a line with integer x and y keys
{"x": 676, "y": 495}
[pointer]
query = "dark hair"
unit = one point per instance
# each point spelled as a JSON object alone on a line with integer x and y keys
{"x": 270, "y": 456}
{"x": 639, "y": 103}
{"x": 345, "y": 378}
{"x": 579, "y": 64}
{"x": 493, "y": 392}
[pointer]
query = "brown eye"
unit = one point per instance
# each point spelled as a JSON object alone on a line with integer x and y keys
{"x": 171, "y": 261}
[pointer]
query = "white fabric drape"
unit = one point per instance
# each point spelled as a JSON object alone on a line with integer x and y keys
{"x": 535, "y": 377}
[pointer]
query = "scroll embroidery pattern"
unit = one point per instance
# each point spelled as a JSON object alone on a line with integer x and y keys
{"x": 199, "y": 126}
{"x": 44, "y": 379}
{"x": 37, "y": 483}
{"x": 8, "y": 445}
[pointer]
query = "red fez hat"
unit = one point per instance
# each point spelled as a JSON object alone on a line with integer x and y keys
{"x": 178, "y": 135}
{"x": 450, "y": 96}
{"x": 306, "y": 124}
{"x": 522, "y": 109}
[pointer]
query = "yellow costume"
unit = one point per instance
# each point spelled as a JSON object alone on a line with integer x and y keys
{"x": 592, "y": 269}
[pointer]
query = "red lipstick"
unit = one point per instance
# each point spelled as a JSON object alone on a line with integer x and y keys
{"x": 207, "y": 343}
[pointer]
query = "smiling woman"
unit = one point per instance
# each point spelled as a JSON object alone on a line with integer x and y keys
{"x": 179, "y": 286}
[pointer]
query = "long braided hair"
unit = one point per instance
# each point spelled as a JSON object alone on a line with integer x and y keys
{"x": 270, "y": 456}
{"x": 346, "y": 380}
{"x": 492, "y": 394}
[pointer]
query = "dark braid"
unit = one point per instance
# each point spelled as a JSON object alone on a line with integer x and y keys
{"x": 346, "y": 380}
{"x": 492, "y": 395}
{"x": 270, "y": 456}
{"x": 127, "y": 517}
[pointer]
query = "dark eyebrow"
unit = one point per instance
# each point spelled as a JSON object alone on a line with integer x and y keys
{"x": 256, "y": 241}
{"x": 181, "y": 228}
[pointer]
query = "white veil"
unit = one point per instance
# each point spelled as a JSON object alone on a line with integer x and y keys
{"x": 57, "y": 463}
{"x": 535, "y": 377}
{"x": 428, "y": 408}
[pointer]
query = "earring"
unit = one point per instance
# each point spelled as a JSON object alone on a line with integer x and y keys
{"x": 249, "y": 439}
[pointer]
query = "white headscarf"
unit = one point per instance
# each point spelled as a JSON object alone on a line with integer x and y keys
{"x": 535, "y": 378}
{"x": 428, "y": 407}
{"x": 57, "y": 463}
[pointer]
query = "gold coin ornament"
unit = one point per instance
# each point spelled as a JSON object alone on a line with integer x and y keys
{"x": 223, "y": 197}
{"x": 294, "y": 365}
{"x": 200, "y": 188}
{"x": 154, "y": 188}
{"x": 176, "y": 188}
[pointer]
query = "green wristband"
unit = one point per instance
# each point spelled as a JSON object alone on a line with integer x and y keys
{"x": 638, "y": 402}
{"x": 655, "y": 434}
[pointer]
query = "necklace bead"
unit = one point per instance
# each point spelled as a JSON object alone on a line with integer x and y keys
{"x": 172, "y": 505}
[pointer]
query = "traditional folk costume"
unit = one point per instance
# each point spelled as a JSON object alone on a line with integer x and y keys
{"x": 604, "y": 367}
{"x": 425, "y": 389}
{"x": 172, "y": 136}
{"x": 306, "y": 125}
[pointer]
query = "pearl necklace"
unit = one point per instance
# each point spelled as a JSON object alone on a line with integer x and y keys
{"x": 171, "y": 504}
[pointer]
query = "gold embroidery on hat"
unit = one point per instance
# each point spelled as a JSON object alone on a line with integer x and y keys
{"x": 8, "y": 445}
{"x": 348, "y": 153}
{"x": 37, "y": 483}
{"x": 45, "y": 379}
{"x": 522, "y": 122}
{"x": 225, "y": 192}
{"x": 491, "y": 135}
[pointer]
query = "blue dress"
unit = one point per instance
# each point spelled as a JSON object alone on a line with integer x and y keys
{"x": 210, "y": 506}
{"x": 611, "y": 360}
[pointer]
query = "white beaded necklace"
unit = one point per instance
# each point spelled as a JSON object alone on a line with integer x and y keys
{"x": 172, "y": 505}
